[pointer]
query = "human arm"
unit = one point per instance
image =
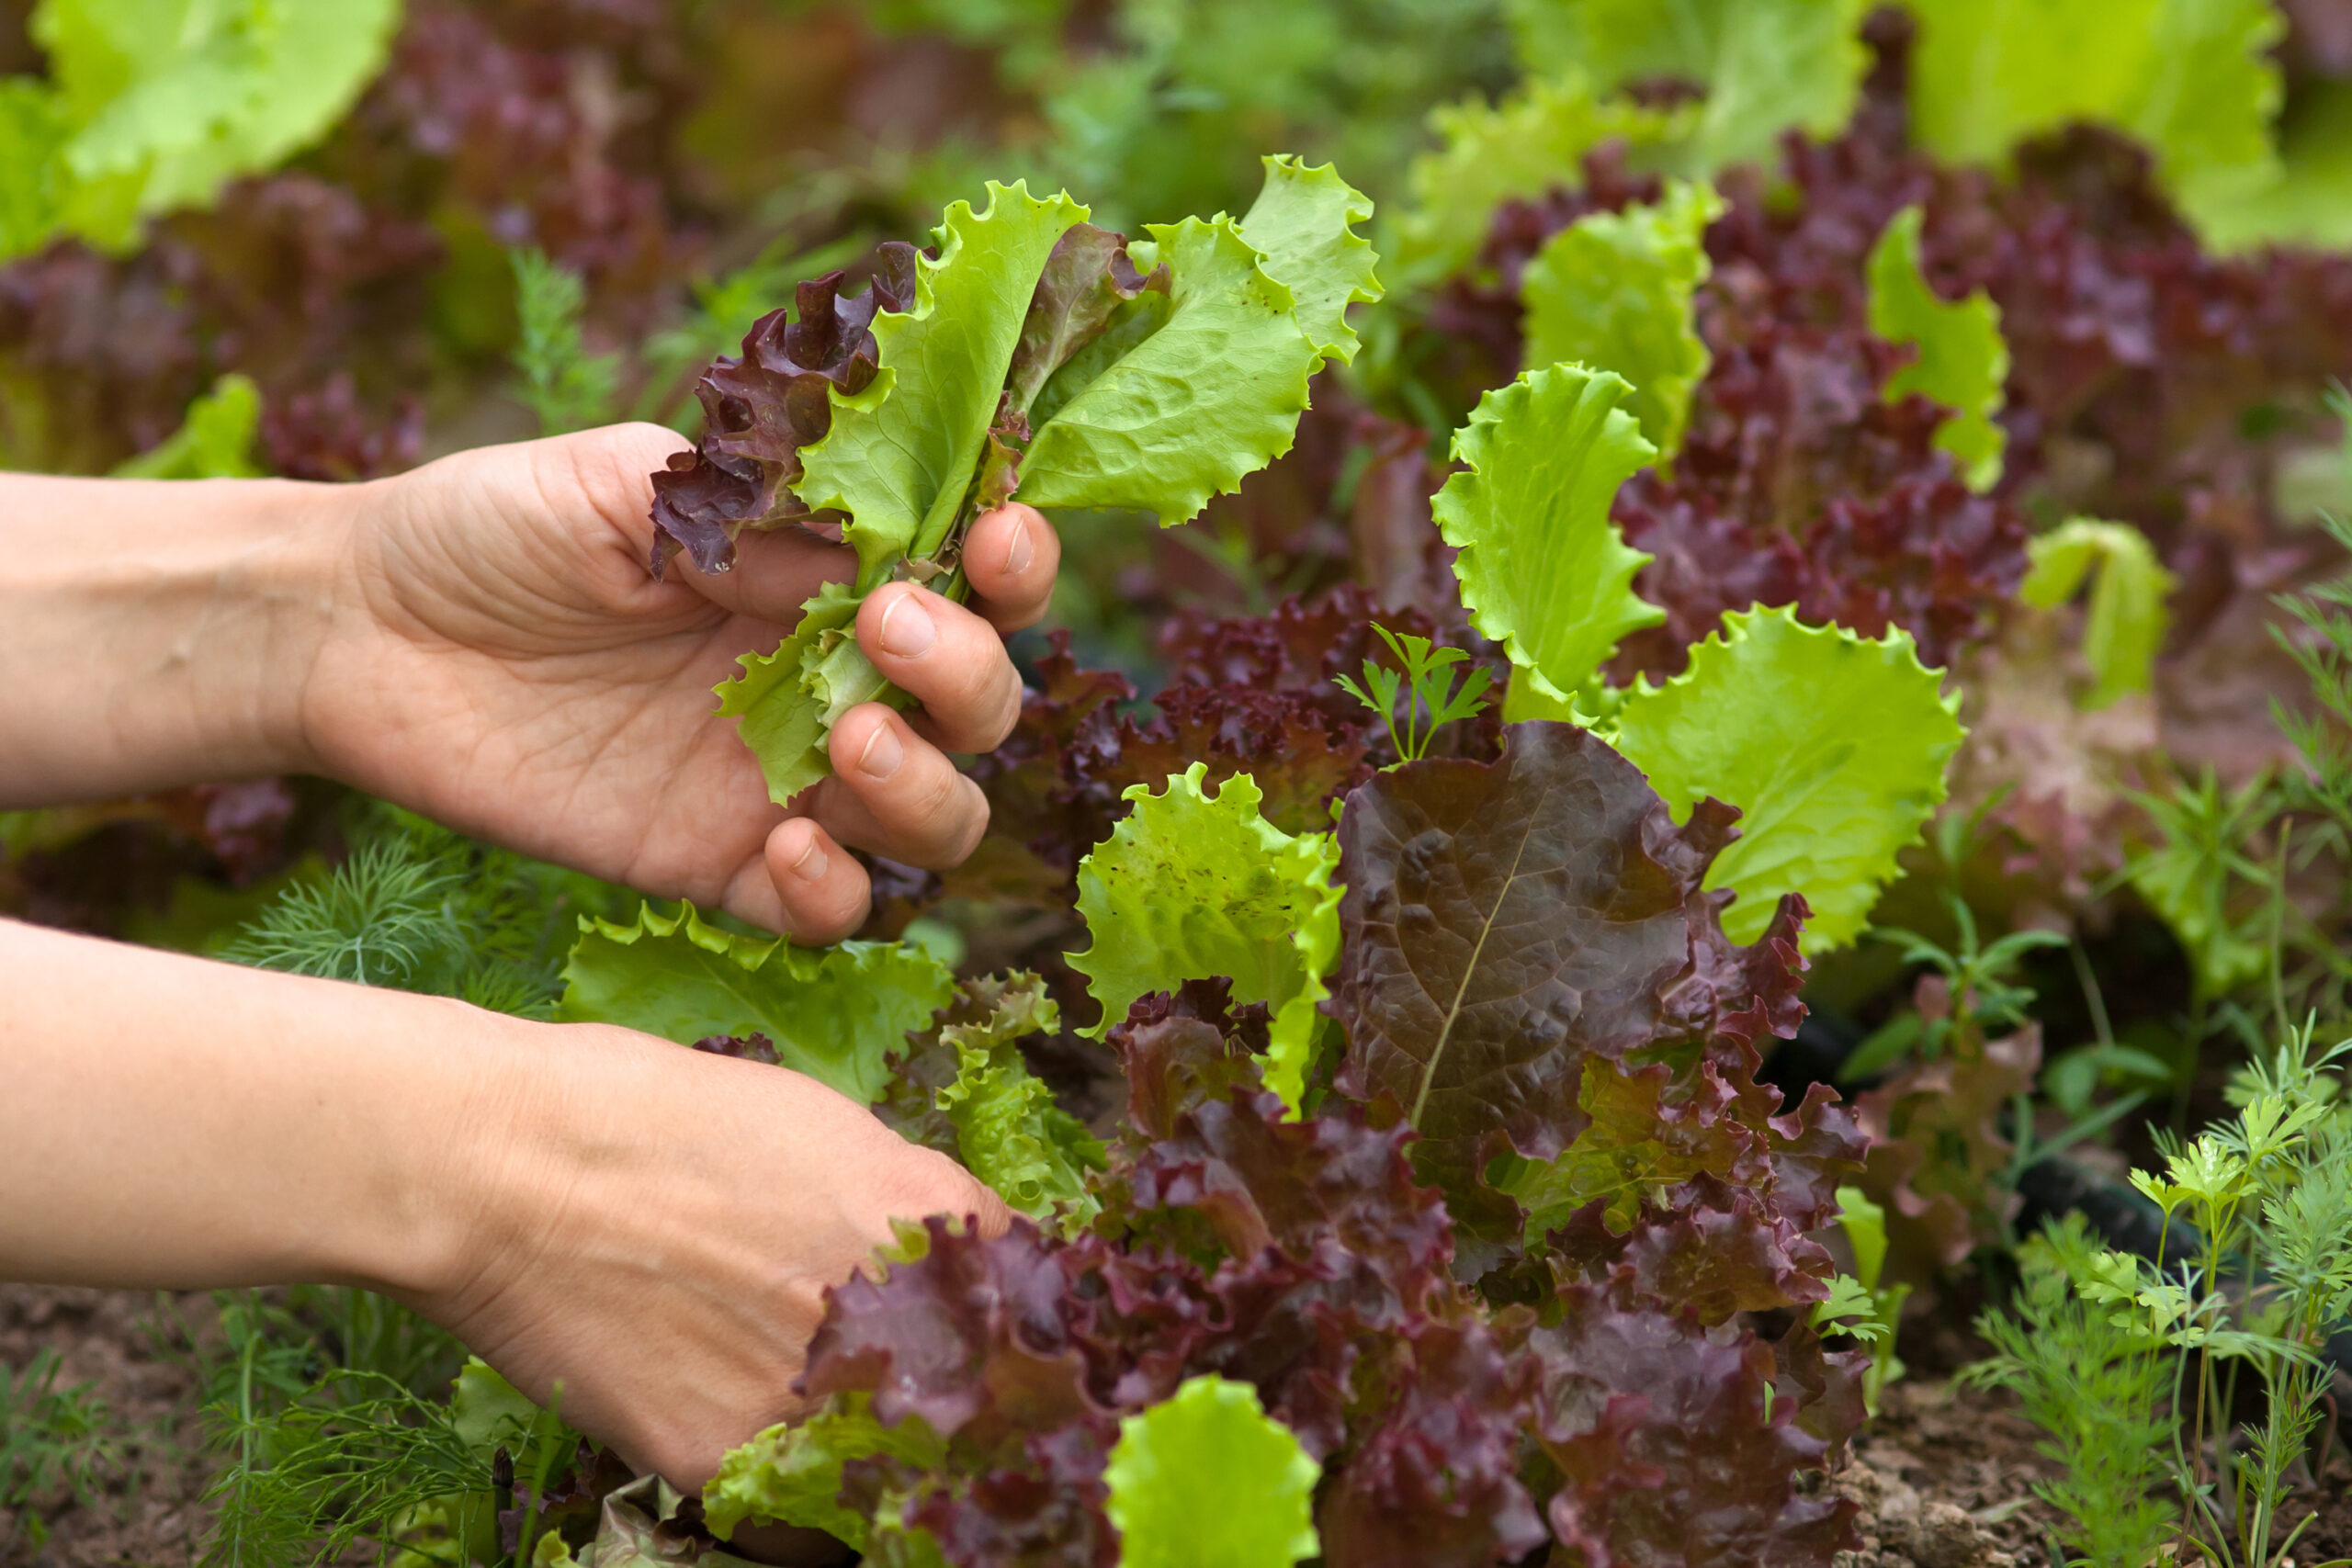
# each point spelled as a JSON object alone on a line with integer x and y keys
{"x": 654, "y": 1225}
{"x": 481, "y": 640}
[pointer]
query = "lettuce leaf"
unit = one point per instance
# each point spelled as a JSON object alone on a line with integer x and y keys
{"x": 2192, "y": 78}
{"x": 1613, "y": 291}
{"x": 2128, "y": 617}
{"x": 834, "y": 1013}
{"x": 901, "y": 452}
{"x": 1534, "y": 140}
{"x": 1833, "y": 748}
{"x": 1544, "y": 571}
{"x": 1766, "y": 65}
{"x": 1963, "y": 362}
{"x": 1009, "y": 1131}
{"x": 1036, "y": 353}
{"x": 162, "y": 103}
{"x": 792, "y": 1474}
{"x": 1207, "y": 1476}
{"x": 1194, "y": 886}
{"x": 215, "y": 442}
{"x": 1212, "y": 393}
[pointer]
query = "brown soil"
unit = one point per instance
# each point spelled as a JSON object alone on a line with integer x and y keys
{"x": 137, "y": 1350}
{"x": 1944, "y": 1476}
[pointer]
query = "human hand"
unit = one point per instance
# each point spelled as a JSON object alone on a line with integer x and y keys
{"x": 498, "y": 658}
{"x": 665, "y": 1259}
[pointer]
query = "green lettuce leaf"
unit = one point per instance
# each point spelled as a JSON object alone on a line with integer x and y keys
{"x": 1766, "y": 65}
{"x": 1194, "y": 886}
{"x": 1834, "y": 747}
{"x": 1206, "y": 1479}
{"x": 1533, "y": 141}
{"x": 2128, "y": 617}
{"x": 33, "y": 130}
{"x": 900, "y": 455}
{"x": 215, "y": 442}
{"x": 834, "y": 1013}
{"x": 1009, "y": 1131}
{"x": 2310, "y": 202}
{"x": 168, "y": 100}
{"x": 1613, "y": 291}
{"x": 787, "y": 702}
{"x": 1963, "y": 361}
{"x": 2192, "y": 78}
{"x": 1544, "y": 570}
{"x": 1303, "y": 228}
{"x": 792, "y": 1474}
{"x": 1210, "y": 393}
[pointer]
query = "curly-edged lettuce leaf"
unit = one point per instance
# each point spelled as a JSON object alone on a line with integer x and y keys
{"x": 1303, "y": 228}
{"x": 902, "y": 452}
{"x": 1533, "y": 141}
{"x": 2193, "y": 79}
{"x": 165, "y": 102}
{"x": 1963, "y": 361}
{"x": 1833, "y": 748}
{"x": 1766, "y": 65}
{"x": 791, "y": 1473}
{"x": 834, "y": 1013}
{"x": 1207, "y": 1477}
{"x": 1613, "y": 291}
{"x": 2128, "y": 618}
{"x": 787, "y": 702}
{"x": 2310, "y": 202}
{"x": 1209, "y": 392}
{"x": 1009, "y": 1131}
{"x": 1544, "y": 570}
{"x": 1194, "y": 887}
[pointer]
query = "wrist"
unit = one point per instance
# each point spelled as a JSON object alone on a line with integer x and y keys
{"x": 161, "y": 637}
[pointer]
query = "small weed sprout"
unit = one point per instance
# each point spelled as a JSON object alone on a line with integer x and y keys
{"x": 1431, "y": 699}
{"x": 52, "y": 1438}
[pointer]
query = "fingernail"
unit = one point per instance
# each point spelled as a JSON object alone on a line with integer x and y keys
{"x": 906, "y": 628}
{"x": 1018, "y": 554}
{"x": 810, "y": 866}
{"x": 882, "y": 754}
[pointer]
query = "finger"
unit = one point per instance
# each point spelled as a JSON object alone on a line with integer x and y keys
{"x": 774, "y": 574}
{"x": 1012, "y": 555}
{"x": 947, "y": 659}
{"x": 805, "y": 886}
{"x": 894, "y": 793}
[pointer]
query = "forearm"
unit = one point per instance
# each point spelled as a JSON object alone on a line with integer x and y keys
{"x": 170, "y": 1121}
{"x": 156, "y": 632}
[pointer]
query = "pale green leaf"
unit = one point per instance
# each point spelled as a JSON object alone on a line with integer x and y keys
{"x": 2127, "y": 616}
{"x": 900, "y": 455}
{"x": 1544, "y": 570}
{"x": 2310, "y": 201}
{"x": 781, "y": 717}
{"x": 792, "y": 1474}
{"x": 215, "y": 442}
{"x": 1767, "y": 66}
{"x": 1533, "y": 141}
{"x": 2193, "y": 79}
{"x": 1613, "y": 291}
{"x": 1834, "y": 747}
{"x": 1864, "y": 1223}
{"x": 1210, "y": 394}
{"x": 1010, "y": 1133}
{"x": 833, "y": 1012}
{"x": 1206, "y": 1479}
{"x": 33, "y": 128}
{"x": 1193, "y": 886}
{"x": 1303, "y": 228}
{"x": 171, "y": 99}
{"x": 1963, "y": 362}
